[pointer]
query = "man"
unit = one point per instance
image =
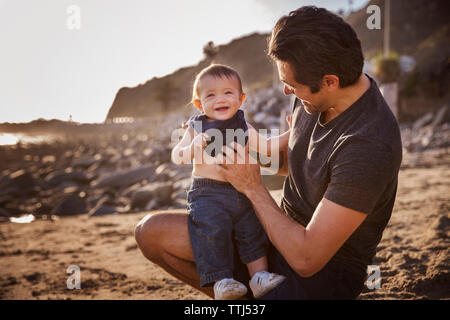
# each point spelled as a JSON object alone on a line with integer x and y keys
{"x": 342, "y": 166}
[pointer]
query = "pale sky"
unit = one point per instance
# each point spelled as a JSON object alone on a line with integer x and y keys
{"x": 50, "y": 71}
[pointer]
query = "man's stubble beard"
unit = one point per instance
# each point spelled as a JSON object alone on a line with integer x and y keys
{"x": 310, "y": 109}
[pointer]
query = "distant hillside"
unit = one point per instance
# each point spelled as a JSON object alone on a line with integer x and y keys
{"x": 173, "y": 91}
{"x": 412, "y": 21}
{"x": 418, "y": 28}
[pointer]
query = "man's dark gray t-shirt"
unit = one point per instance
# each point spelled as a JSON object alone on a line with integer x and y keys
{"x": 352, "y": 160}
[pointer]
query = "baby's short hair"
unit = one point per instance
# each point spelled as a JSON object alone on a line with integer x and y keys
{"x": 217, "y": 71}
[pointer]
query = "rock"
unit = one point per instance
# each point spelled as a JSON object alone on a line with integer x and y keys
{"x": 182, "y": 172}
{"x": 272, "y": 121}
{"x": 272, "y": 107}
{"x": 151, "y": 205}
{"x": 183, "y": 184}
{"x": 68, "y": 154}
{"x": 3, "y": 213}
{"x": 426, "y": 139}
{"x": 87, "y": 162}
{"x": 162, "y": 168}
{"x": 21, "y": 179}
{"x": 440, "y": 116}
{"x": 259, "y": 117}
{"x": 179, "y": 204}
{"x": 163, "y": 172}
{"x": 73, "y": 188}
{"x": 161, "y": 191}
{"x": 162, "y": 177}
{"x": 45, "y": 171}
{"x": 125, "y": 178}
{"x": 4, "y": 181}
{"x": 5, "y": 199}
{"x": 128, "y": 152}
{"x": 115, "y": 159}
{"x": 14, "y": 191}
{"x": 58, "y": 177}
{"x": 13, "y": 209}
{"x": 181, "y": 194}
{"x": 94, "y": 199}
{"x": 42, "y": 209}
{"x": 102, "y": 209}
{"x": 424, "y": 120}
{"x": 251, "y": 108}
{"x": 70, "y": 205}
{"x": 129, "y": 191}
{"x": 48, "y": 159}
{"x": 157, "y": 154}
{"x": 18, "y": 184}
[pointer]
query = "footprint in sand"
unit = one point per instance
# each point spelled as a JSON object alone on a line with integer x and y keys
{"x": 34, "y": 277}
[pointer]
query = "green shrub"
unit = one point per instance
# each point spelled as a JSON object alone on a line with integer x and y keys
{"x": 387, "y": 69}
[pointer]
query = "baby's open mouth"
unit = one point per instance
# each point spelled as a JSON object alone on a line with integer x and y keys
{"x": 222, "y": 109}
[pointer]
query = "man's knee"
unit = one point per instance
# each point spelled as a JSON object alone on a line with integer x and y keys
{"x": 146, "y": 234}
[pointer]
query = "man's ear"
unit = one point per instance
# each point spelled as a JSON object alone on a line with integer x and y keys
{"x": 330, "y": 81}
{"x": 198, "y": 105}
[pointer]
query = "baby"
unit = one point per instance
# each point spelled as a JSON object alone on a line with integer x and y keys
{"x": 218, "y": 213}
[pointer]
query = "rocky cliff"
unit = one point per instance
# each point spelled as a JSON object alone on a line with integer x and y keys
{"x": 418, "y": 28}
{"x": 245, "y": 54}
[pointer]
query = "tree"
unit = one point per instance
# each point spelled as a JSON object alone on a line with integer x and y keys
{"x": 210, "y": 50}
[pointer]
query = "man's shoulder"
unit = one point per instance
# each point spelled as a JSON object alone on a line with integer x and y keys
{"x": 374, "y": 127}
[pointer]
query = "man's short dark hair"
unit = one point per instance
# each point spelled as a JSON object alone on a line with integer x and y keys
{"x": 316, "y": 42}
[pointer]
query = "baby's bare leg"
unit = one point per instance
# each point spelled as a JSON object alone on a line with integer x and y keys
{"x": 259, "y": 264}
{"x": 164, "y": 239}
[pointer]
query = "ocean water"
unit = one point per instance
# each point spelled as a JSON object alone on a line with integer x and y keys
{"x": 12, "y": 139}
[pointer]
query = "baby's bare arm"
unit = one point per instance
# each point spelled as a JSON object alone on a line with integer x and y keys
{"x": 266, "y": 146}
{"x": 271, "y": 146}
{"x": 183, "y": 153}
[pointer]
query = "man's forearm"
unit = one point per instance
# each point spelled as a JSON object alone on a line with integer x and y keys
{"x": 285, "y": 234}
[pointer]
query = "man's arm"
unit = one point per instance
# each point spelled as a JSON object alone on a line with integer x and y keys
{"x": 307, "y": 250}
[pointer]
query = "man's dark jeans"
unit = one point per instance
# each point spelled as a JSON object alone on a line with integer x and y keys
{"x": 335, "y": 281}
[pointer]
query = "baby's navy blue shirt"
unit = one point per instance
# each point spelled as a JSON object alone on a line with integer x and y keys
{"x": 235, "y": 122}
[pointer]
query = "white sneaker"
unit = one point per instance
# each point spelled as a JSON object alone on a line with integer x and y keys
{"x": 229, "y": 289}
{"x": 263, "y": 281}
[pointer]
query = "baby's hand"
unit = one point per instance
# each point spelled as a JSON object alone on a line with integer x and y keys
{"x": 199, "y": 141}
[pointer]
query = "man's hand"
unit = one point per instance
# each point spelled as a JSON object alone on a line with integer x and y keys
{"x": 239, "y": 168}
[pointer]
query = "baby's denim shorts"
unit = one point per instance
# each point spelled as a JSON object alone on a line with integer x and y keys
{"x": 222, "y": 223}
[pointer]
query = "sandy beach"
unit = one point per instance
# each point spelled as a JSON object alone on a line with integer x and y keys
{"x": 92, "y": 119}
{"x": 413, "y": 255}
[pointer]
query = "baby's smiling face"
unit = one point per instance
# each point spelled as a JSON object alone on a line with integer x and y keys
{"x": 219, "y": 97}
